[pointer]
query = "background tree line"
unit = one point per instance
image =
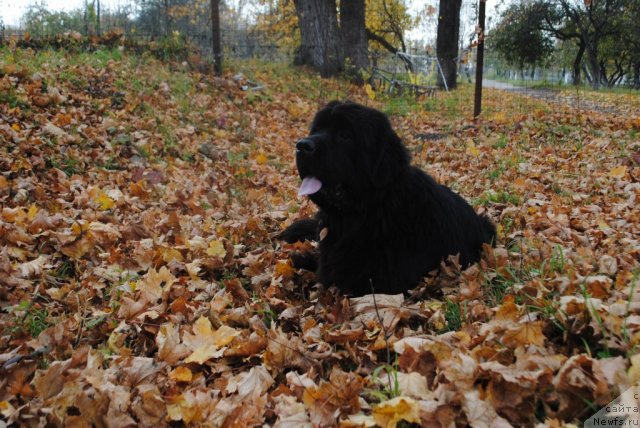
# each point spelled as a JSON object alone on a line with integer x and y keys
{"x": 328, "y": 35}
{"x": 599, "y": 40}
{"x": 596, "y": 41}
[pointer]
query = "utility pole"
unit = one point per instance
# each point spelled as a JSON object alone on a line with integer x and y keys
{"x": 477, "y": 105}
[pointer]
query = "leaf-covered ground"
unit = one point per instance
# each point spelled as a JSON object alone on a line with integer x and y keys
{"x": 141, "y": 284}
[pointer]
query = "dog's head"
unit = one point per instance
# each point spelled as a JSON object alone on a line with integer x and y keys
{"x": 351, "y": 154}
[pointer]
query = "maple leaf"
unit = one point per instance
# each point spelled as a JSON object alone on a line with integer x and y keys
{"x": 579, "y": 379}
{"x": 170, "y": 348}
{"x": 207, "y": 343}
{"x": 291, "y": 413}
{"x": 34, "y": 267}
{"x": 370, "y": 92}
{"x": 634, "y": 370}
{"x": 256, "y": 381}
{"x": 389, "y": 413}
{"x": 618, "y": 171}
{"x": 481, "y": 414}
{"x": 194, "y": 406}
{"x": 151, "y": 289}
{"x": 148, "y": 405}
{"x": 330, "y": 399}
{"x": 528, "y": 333}
{"x": 285, "y": 351}
{"x": 181, "y": 374}
{"x": 216, "y": 249}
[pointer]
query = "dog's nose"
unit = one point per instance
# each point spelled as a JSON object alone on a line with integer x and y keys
{"x": 306, "y": 145}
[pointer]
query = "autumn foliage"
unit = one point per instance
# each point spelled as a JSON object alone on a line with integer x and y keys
{"x": 141, "y": 283}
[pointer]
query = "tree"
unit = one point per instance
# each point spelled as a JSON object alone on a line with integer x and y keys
{"x": 589, "y": 23}
{"x": 447, "y": 41}
{"x": 294, "y": 23}
{"x": 519, "y": 37}
{"x": 215, "y": 37}
{"x": 98, "y": 17}
{"x": 387, "y": 21}
{"x": 354, "y": 37}
{"x": 320, "y": 45}
{"x": 631, "y": 40}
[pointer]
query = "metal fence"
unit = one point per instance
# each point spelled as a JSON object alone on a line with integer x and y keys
{"x": 520, "y": 92}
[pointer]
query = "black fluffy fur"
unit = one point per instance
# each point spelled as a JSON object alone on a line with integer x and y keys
{"x": 386, "y": 223}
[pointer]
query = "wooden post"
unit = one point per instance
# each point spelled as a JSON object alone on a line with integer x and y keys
{"x": 215, "y": 37}
{"x": 477, "y": 105}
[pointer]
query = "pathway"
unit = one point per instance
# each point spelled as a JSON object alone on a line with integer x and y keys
{"x": 552, "y": 96}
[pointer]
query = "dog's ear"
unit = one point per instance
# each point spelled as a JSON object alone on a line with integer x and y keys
{"x": 387, "y": 155}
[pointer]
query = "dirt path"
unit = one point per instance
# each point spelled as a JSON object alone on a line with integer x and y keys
{"x": 571, "y": 99}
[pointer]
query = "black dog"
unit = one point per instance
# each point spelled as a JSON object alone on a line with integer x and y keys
{"x": 382, "y": 222}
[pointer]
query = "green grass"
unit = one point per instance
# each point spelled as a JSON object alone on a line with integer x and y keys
{"x": 502, "y": 142}
{"x": 453, "y": 315}
{"x": 499, "y": 283}
{"x": 386, "y": 377}
{"x": 502, "y": 197}
{"x": 29, "y": 318}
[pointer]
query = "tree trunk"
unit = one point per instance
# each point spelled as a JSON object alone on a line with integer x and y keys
{"x": 85, "y": 18}
{"x": 447, "y": 40}
{"x": 215, "y": 37}
{"x": 320, "y": 45}
{"x": 594, "y": 65}
{"x": 354, "y": 38}
{"x": 98, "y": 18}
{"x": 167, "y": 19}
{"x": 577, "y": 62}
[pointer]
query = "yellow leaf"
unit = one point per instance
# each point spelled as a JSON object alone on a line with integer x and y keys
{"x": 388, "y": 413}
{"x": 525, "y": 334}
{"x": 216, "y": 249}
{"x": 104, "y": 202}
{"x": 602, "y": 225}
{"x": 76, "y": 229}
{"x": 471, "y": 146}
{"x": 500, "y": 117}
{"x": 634, "y": 370}
{"x": 6, "y": 409}
{"x": 181, "y": 374}
{"x": 170, "y": 254}
{"x": 224, "y": 335}
{"x": 520, "y": 182}
{"x": 13, "y": 215}
{"x": 203, "y": 354}
{"x": 284, "y": 269}
{"x": 618, "y": 172}
{"x": 16, "y": 127}
{"x": 33, "y": 210}
{"x": 220, "y": 133}
{"x": 206, "y": 342}
{"x": 261, "y": 159}
{"x": 370, "y": 92}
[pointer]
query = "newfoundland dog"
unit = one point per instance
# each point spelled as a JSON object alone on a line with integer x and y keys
{"x": 382, "y": 224}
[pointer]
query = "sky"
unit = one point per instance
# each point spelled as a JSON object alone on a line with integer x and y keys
{"x": 12, "y": 10}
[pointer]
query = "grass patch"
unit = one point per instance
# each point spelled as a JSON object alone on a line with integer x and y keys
{"x": 29, "y": 318}
{"x": 492, "y": 197}
{"x": 453, "y": 316}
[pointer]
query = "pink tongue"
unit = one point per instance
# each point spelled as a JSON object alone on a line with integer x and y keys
{"x": 309, "y": 186}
